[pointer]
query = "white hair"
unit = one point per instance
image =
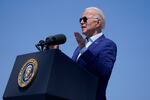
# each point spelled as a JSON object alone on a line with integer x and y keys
{"x": 100, "y": 14}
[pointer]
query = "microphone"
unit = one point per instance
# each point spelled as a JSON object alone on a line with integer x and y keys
{"x": 51, "y": 40}
{"x": 55, "y": 39}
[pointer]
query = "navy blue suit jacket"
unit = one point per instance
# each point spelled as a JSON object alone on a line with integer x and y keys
{"x": 99, "y": 59}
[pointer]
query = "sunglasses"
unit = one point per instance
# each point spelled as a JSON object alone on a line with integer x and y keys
{"x": 84, "y": 19}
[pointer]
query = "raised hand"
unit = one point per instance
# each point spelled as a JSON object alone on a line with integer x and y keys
{"x": 80, "y": 39}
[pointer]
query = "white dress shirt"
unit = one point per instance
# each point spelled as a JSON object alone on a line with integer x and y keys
{"x": 89, "y": 42}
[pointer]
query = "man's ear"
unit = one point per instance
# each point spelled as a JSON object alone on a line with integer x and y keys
{"x": 99, "y": 23}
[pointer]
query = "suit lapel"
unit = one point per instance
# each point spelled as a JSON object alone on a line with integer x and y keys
{"x": 96, "y": 42}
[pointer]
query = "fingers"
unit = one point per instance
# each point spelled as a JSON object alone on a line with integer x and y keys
{"x": 54, "y": 46}
{"x": 78, "y": 36}
{"x": 80, "y": 39}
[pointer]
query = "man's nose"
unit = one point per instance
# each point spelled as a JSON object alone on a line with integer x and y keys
{"x": 82, "y": 21}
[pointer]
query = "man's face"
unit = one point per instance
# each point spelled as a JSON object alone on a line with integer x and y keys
{"x": 89, "y": 22}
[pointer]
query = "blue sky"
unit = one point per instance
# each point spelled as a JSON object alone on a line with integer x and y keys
{"x": 24, "y": 22}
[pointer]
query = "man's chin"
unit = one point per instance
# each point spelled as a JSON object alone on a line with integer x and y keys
{"x": 83, "y": 31}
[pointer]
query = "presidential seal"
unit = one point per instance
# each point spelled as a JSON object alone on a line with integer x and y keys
{"x": 27, "y": 73}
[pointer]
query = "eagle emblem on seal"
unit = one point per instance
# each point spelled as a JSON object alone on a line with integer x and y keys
{"x": 27, "y": 73}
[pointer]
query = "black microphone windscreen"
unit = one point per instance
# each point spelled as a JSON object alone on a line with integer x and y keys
{"x": 56, "y": 39}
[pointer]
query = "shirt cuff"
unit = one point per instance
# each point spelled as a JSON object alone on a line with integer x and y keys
{"x": 83, "y": 50}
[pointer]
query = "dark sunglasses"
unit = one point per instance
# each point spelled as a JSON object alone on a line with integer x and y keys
{"x": 84, "y": 19}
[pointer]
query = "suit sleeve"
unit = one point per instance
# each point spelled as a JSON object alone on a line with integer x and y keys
{"x": 101, "y": 64}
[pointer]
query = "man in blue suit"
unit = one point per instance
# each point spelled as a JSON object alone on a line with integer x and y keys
{"x": 96, "y": 53}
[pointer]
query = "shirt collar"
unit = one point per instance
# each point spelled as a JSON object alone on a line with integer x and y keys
{"x": 94, "y": 37}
